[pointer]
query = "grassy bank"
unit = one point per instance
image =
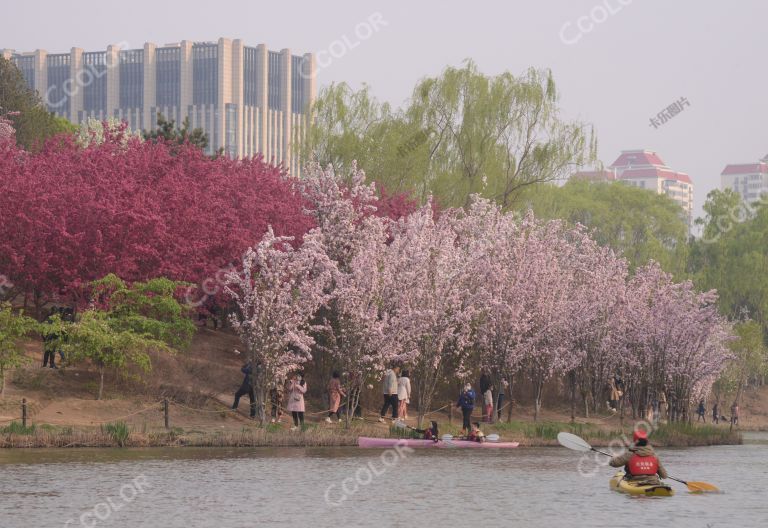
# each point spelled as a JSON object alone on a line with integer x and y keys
{"x": 529, "y": 434}
{"x": 665, "y": 435}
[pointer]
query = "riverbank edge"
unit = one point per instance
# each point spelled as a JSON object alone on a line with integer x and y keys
{"x": 262, "y": 438}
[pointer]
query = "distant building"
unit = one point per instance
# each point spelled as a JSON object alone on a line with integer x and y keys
{"x": 646, "y": 170}
{"x": 249, "y": 100}
{"x": 748, "y": 180}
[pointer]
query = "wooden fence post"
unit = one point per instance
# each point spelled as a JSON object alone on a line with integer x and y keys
{"x": 165, "y": 412}
{"x": 24, "y": 413}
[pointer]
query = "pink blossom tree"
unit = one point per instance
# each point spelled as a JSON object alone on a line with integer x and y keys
{"x": 278, "y": 292}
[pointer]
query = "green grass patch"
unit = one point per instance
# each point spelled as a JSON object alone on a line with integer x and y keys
{"x": 118, "y": 431}
{"x": 17, "y": 428}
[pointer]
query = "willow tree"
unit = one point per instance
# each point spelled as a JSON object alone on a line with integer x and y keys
{"x": 496, "y": 135}
{"x": 459, "y": 134}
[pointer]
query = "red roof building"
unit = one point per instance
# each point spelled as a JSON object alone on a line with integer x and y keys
{"x": 645, "y": 169}
{"x": 748, "y": 180}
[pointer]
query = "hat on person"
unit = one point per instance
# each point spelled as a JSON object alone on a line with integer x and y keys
{"x": 640, "y": 434}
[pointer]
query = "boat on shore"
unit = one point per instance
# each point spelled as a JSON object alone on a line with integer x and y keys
{"x": 383, "y": 443}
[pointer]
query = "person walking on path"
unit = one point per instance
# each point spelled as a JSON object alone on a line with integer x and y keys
{"x": 735, "y": 414}
{"x": 335, "y": 393}
{"x": 389, "y": 390}
{"x": 488, "y": 404}
{"x": 715, "y": 415}
{"x": 403, "y": 395}
{"x": 246, "y": 388}
{"x": 467, "y": 404}
{"x": 503, "y": 386}
{"x": 295, "y": 391}
{"x": 701, "y": 411}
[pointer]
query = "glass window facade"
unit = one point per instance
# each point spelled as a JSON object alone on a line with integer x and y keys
{"x": 205, "y": 74}
{"x": 274, "y": 80}
{"x": 168, "y": 76}
{"x": 56, "y": 96}
{"x": 27, "y": 66}
{"x": 231, "y": 130}
{"x": 132, "y": 79}
{"x": 250, "y": 76}
{"x": 298, "y": 100}
{"x": 93, "y": 81}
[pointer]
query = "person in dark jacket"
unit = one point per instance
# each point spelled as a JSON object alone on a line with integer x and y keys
{"x": 701, "y": 412}
{"x": 246, "y": 388}
{"x": 715, "y": 414}
{"x": 467, "y": 404}
{"x": 640, "y": 462}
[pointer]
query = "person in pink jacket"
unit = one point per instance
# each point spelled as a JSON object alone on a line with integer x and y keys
{"x": 335, "y": 393}
{"x": 295, "y": 390}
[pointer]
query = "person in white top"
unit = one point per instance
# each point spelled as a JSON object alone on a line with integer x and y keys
{"x": 403, "y": 395}
{"x": 389, "y": 391}
{"x": 488, "y": 401}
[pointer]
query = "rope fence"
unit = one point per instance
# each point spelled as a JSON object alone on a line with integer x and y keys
{"x": 164, "y": 407}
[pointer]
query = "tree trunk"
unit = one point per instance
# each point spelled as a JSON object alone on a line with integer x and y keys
{"x": 537, "y": 389}
{"x": 572, "y": 377}
{"x": 511, "y": 400}
{"x": 2, "y": 382}
{"x": 101, "y": 382}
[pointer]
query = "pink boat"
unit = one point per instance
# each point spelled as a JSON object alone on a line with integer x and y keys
{"x": 365, "y": 441}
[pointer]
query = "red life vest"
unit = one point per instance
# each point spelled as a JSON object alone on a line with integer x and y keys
{"x": 643, "y": 465}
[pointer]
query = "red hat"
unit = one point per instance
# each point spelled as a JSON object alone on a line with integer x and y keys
{"x": 640, "y": 434}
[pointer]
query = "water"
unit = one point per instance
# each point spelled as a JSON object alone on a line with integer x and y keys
{"x": 225, "y": 488}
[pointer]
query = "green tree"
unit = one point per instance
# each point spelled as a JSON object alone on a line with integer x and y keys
{"x": 13, "y": 327}
{"x": 636, "y": 223}
{"x": 126, "y": 323}
{"x": 460, "y": 133}
{"x": 750, "y": 360}
{"x": 32, "y": 121}
{"x": 168, "y": 131}
{"x": 732, "y": 256}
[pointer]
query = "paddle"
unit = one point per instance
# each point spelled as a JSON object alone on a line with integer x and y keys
{"x": 493, "y": 437}
{"x": 571, "y": 441}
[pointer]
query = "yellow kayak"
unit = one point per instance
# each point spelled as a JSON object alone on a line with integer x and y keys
{"x": 618, "y": 483}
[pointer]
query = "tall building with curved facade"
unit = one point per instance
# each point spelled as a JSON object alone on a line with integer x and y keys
{"x": 249, "y": 100}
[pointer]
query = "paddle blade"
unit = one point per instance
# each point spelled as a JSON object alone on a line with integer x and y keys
{"x": 447, "y": 438}
{"x": 571, "y": 441}
{"x": 493, "y": 437}
{"x": 400, "y": 424}
{"x": 699, "y": 487}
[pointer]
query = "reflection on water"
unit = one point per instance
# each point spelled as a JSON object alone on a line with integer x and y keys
{"x": 319, "y": 487}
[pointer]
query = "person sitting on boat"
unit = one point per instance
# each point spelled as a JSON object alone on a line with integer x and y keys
{"x": 430, "y": 433}
{"x": 475, "y": 434}
{"x": 640, "y": 462}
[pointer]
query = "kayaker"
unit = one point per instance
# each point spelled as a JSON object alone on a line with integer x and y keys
{"x": 431, "y": 432}
{"x": 640, "y": 462}
{"x": 475, "y": 434}
{"x": 467, "y": 404}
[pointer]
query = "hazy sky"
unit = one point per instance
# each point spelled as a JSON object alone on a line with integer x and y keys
{"x": 630, "y": 60}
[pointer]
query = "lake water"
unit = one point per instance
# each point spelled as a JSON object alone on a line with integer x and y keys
{"x": 349, "y": 487}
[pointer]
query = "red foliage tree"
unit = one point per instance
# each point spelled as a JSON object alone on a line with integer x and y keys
{"x": 69, "y": 215}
